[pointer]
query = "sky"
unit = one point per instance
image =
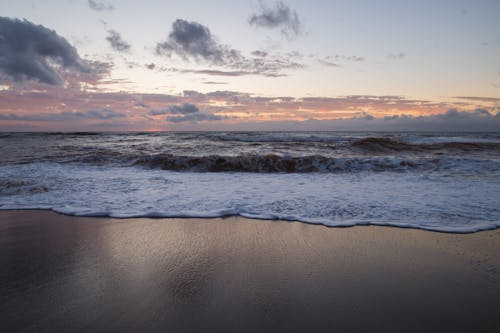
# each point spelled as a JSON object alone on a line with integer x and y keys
{"x": 154, "y": 65}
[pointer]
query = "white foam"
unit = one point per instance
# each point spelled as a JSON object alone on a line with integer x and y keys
{"x": 430, "y": 201}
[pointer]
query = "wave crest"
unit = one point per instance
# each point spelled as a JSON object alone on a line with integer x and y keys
{"x": 385, "y": 145}
{"x": 306, "y": 164}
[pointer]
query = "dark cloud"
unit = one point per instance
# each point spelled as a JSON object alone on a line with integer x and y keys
{"x": 186, "y": 112}
{"x": 100, "y": 114}
{"x": 260, "y": 53}
{"x": 185, "y": 108}
{"x": 116, "y": 41}
{"x": 279, "y": 16}
{"x": 100, "y": 5}
{"x": 193, "y": 41}
{"x": 29, "y": 51}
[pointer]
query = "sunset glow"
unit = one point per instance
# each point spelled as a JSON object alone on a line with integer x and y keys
{"x": 247, "y": 65}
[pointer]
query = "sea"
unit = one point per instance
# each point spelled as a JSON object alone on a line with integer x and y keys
{"x": 446, "y": 182}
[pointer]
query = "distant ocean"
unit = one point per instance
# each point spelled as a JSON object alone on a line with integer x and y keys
{"x": 446, "y": 182}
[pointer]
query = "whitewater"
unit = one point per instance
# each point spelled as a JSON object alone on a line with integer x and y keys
{"x": 448, "y": 182}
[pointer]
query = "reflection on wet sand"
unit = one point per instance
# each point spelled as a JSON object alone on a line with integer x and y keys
{"x": 234, "y": 274}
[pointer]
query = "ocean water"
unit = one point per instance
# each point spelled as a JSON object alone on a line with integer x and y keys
{"x": 447, "y": 182}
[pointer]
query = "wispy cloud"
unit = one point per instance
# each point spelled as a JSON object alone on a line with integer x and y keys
{"x": 29, "y": 51}
{"x": 100, "y": 114}
{"x": 279, "y": 16}
{"x": 341, "y": 57}
{"x": 396, "y": 56}
{"x": 195, "y": 118}
{"x": 230, "y": 73}
{"x": 100, "y": 5}
{"x": 338, "y": 60}
{"x": 214, "y": 82}
{"x": 116, "y": 41}
{"x": 328, "y": 63}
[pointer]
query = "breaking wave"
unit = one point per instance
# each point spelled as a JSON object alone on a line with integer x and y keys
{"x": 307, "y": 164}
{"x": 386, "y": 145}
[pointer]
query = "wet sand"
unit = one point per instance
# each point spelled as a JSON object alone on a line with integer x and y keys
{"x": 61, "y": 273}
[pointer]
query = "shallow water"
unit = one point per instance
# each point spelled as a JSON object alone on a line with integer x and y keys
{"x": 434, "y": 181}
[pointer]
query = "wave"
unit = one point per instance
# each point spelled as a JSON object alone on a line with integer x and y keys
{"x": 386, "y": 145}
{"x": 309, "y": 164}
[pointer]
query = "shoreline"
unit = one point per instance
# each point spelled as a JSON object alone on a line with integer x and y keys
{"x": 62, "y": 272}
{"x": 454, "y": 231}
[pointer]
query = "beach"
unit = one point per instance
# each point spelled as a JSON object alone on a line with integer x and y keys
{"x": 63, "y": 273}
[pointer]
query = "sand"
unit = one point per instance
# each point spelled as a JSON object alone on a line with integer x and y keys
{"x": 61, "y": 273}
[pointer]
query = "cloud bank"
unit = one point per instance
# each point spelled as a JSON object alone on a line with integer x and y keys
{"x": 99, "y": 114}
{"x": 29, "y": 51}
{"x": 56, "y": 107}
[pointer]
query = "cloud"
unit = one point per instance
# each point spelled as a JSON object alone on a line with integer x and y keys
{"x": 29, "y": 51}
{"x": 58, "y": 108}
{"x": 185, "y": 108}
{"x": 214, "y": 82}
{"x": 191, "y": 40}
{"x": 396, "y": 56}
{"x": 213, "y": 72}
{"x": 328, "y": 63}
{"x": 335, "y": 60}
{"x": 186, "y": 112}
{"x": 100, "y": 114}
{"x": 260, "y": 53}
{"x": 194, "y": 41}
{"x": 116, "y": 41}
{"x": 341, "y": 57}
{"x": 493, "y": 100}
{"x": 194, "y": 118}
{"x": 451, "y": 120}
{"x": 279, "y": 16}
{"x": 100, "y": 5}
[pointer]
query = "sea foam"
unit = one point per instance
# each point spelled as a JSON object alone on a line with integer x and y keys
{"x": 424, "y": 200}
